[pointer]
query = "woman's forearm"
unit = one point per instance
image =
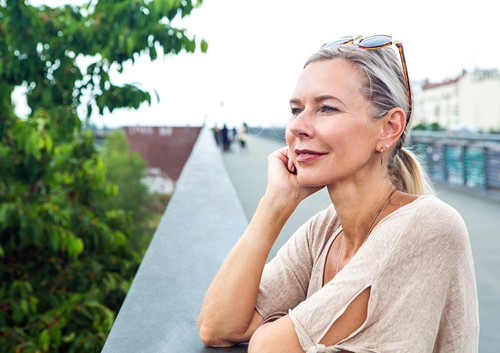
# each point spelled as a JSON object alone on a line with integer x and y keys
{"x": 227, "y": 314}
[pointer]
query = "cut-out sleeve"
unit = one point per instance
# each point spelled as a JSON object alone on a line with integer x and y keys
{"x": 286, "y": 278}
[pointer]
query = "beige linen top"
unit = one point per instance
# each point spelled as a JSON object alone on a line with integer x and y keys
{"x": 418, "y": 265}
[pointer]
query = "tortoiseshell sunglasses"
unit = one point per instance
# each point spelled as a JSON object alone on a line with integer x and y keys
{"x": 373, "y": 43}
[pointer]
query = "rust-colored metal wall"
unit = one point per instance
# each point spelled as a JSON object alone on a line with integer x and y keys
{"x": 163, "y": 147}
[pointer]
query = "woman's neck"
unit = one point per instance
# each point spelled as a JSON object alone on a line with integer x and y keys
{"x": 360, "y": 208}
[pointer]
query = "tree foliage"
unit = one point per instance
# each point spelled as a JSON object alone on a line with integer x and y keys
{"x": 41, "y": 47}
{"x": 125, "y": 169}
{"x": 428, "y": 126}
{"x": 66, "y": 259}
{"x": 66, "y": 263}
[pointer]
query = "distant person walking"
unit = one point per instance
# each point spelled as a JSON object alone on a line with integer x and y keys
{"x": 225, "y": 138}
{"x": 217, "y": 134}
{"x": 233, "y": 137}
{"x": 242, "y": 136}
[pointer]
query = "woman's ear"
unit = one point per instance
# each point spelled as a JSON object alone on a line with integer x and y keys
{"x": 393, "y": 126}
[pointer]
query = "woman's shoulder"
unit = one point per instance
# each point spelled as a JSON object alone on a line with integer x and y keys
{"x": 429, "y": 217}
{"x": 429, "y": 209}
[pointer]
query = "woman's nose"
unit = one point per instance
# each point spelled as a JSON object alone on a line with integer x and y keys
{"x": 301, "y": 125}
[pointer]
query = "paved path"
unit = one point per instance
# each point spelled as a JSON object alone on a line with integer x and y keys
{"x": 247, "y": 170}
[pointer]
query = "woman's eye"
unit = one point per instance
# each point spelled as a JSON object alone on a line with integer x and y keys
{"x": 328, "y": 109}
{"x": 295, "y": 110}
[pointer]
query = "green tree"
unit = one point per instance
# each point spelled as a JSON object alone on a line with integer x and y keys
{"x": 125, "y": 169}
{"x": 65, "y": 259}
{"x": 66, "y": 263}
{"x": 428, "y": 126}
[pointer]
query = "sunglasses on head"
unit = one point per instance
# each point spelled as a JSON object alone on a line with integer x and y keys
{"x": 373, "y": 43}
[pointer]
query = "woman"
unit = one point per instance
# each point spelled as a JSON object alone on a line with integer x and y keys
{"x": 388, "y": 267}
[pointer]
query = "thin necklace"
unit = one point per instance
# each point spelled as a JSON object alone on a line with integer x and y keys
{"x": 367, "y": 234}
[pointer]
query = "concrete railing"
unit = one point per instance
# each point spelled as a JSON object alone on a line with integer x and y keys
{"x": 203, "y": 220}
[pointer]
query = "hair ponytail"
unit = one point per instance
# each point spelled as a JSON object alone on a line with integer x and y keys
{"x": 407, "y": 174}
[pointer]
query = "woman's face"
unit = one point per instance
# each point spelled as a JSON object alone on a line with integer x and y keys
{"x": 330, "y": 133}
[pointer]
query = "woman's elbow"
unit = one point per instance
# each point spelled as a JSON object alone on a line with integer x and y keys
{"x": 212, "y": 338}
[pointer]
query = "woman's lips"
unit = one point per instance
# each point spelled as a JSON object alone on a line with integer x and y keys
{"x": 307, "y": 155}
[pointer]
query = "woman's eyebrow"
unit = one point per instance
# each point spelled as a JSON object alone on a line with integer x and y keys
{"x": 317, "y": 99}
{"x": 325, "y": 97}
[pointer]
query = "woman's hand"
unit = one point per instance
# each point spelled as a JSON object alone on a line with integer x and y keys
{"x": 282, "y": 178}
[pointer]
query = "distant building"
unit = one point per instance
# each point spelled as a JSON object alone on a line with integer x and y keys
{"x": 470, "y": 101}
{"x": 165, "y": 150}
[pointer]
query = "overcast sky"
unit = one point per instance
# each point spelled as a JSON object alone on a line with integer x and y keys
{"x": 257, "y": 49}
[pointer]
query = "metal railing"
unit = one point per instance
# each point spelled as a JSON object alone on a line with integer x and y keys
{"x": 466, "y": 160}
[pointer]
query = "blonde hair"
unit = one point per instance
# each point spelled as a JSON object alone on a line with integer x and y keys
{"x": 407, "y": 174}
{"x": 385, "y": 88}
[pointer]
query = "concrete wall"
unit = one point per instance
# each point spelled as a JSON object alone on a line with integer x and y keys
{"x": 202, "y": 222}
{"x": 163, "y": 147}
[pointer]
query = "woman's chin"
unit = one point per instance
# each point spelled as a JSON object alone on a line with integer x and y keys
{"x": 309, "y": 183}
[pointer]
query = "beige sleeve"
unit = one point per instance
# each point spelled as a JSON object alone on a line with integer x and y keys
{"x": 285, "y": 278}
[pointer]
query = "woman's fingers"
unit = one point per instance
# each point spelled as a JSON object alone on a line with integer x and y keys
{"x": 283, "y": 155}
{"x": 291, "y": 166}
